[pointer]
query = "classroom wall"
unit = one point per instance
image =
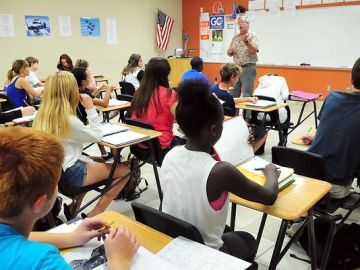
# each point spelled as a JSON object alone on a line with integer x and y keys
{"x": 136, "y": 30}
{"x": 298, "y": 78}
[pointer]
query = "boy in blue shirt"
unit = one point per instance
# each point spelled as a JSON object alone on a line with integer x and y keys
{"x": 30, "y": 168}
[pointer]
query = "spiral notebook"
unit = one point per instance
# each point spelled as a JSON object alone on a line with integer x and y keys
{"x": 124, "y": 138}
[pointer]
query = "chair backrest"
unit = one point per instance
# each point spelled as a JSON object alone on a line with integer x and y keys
{"x": 165, "y": 223}
{"x": 144, "y": 153}
{"x": 124, "y": 97}
{"x": 303, "y": 162}
{"x": 8, "y": 104}
{"x": 127, "y": 88}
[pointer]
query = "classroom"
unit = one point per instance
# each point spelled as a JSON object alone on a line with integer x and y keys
{"x": 231, "y": 123}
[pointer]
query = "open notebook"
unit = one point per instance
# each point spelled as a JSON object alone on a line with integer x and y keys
{"x": 116, "y": 102}
{"x": 234, "y": 148}
{"x": 123, "y": 138}
{"x": 110, "y": 129}
{"x": 261, "y": 103}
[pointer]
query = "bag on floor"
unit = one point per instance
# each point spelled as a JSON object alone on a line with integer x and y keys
{"x": 345, "y": 251}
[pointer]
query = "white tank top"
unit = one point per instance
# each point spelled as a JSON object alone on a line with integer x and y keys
{"x": 184, "y": 178}
{"x": 132, "y": 78}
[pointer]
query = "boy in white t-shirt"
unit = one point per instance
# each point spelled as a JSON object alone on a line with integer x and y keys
{"x": 33, "y": 78}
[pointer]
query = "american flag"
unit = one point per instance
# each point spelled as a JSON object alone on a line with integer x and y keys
{"x": 164, "y": 25}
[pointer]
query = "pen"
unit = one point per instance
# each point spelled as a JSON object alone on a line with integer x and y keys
{"x": 259, "y": 169}
{"x": 25, "y": 102}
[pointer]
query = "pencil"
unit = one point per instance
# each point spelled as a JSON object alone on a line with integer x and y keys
{"x": 104, "y": 227}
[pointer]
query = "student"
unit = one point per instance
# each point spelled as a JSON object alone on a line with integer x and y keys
{"x": 230, "y": 74}
{"x": 196, "y": 71}
{"x": 32, "y": 78}
{"x": 155, "y": 102}
{"x": 196, "y": 187}
{"x": 19, "y": 88}
{"x": 30, "y": 168}
{"x": 57, "y": 115}
{"x": 82, "y": 78}
{"x": 133, "y": 72}
{"x": 65, "y": 63}
{"x": 13, "y": 114}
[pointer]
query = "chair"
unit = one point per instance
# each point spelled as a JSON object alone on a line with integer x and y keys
{"x": 124, "y": 112}
{"x": 274, "y": 122}
{"x": 228, "y": 111}
{"x": 148, "y": 152}
{"x": 127, "y": 88}
{"x": 8, "y": 104}
{"x": 165, "y": 223}
{"x": 313, "y": 165}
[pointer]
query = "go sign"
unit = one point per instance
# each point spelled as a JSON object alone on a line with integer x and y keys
{"x": 216, "y": 22}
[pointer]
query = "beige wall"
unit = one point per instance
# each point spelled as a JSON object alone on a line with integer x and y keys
{"x": 136, "y": 24}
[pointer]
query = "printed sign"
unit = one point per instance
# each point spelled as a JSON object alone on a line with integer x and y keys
{"x": 216, "y": 22}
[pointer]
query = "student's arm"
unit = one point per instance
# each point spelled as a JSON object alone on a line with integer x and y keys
{"x": 246, "y": 99}
{"x": 24, "y": 84}
{"x": 87, "y": 230}
{"x": 9, "y": 116}
{"x": 252, "y": 44}
{"x": 105, "y": 101}
{"x": 120, "y": 246}
{"x": 226, "y": 177}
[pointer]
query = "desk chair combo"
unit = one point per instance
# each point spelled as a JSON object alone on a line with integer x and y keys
{"x": 312, "y": 165}
{"x": 126, "y": 88}
{"x": 125, "y": 113}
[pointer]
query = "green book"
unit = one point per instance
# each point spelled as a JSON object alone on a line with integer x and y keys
{"x": 286, "y": 182}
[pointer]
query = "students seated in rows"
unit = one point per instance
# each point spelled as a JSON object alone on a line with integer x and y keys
{"x": 91, "y": 83}
{"x": 337, "y": 136}
{"x": 230, "y": 74}
{"x": 30, "y": 168}
{"x": 155, "y": 102}
{"x": 19, "y": 88}
{"x": 65, "y": 63}
{"x": 133, "y": 72}
{"x": 196, "y": 187}
{"x": 196, "y": 71}
{"x": 32, "y": 77}
{"x": 82, "y": 78}
{"x": 57, "y": 115}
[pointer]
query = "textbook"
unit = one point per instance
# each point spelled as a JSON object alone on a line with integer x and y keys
{"x": 261, "y": 103}
{"x": 110, "y": 129}
{"x": 123, "y": 138}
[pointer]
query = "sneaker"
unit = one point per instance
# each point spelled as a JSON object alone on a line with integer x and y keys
{"x": 107, "y": 156}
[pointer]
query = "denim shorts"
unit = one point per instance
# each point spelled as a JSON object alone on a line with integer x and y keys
{"x": 76, "y": 174}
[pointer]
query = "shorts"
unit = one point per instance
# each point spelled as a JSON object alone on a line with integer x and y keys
{"x": 76, "y": 174}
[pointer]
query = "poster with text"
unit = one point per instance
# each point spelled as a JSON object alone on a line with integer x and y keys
{"x": 37, "y": 26}
{"x": 90, "y": 27}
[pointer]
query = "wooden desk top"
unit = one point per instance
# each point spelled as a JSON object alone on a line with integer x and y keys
{"x": 151, "y": 239}
{"x": 244, "y": 106}
{"x": 148, "y": 132}
{"x": 102, "y": 79}
{"x": 113, "y": 108}
{"x": 293, "y": 201}
{"x": 2, "y": 100}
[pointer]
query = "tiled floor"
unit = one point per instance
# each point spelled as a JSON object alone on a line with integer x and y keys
{"x": 247, "y": 219}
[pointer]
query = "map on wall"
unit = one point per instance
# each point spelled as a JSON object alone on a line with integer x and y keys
{"x": 90, "y": 27}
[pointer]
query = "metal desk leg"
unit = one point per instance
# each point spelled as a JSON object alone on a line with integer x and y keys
{"x": 260, "y": 232}
{"x": 279, "y": 241}
{"x": 233, "y": 216}
{"x": 315, "y": 114}
{"x": 312, "y": 239}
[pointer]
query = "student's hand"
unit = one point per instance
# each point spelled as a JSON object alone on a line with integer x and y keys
{"x": 120, "y": 246}
{"x": 307, "y": 139}
{"x": 28, "y": 111}
{"x": 89, "y": 229}
{"x": 253, "y": 99}
{"x": 271, "y": 169}
{"x": 86, "y": 101}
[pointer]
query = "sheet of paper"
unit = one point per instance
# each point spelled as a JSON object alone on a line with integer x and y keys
{"x": 65, "y": 26}
{"x": 233, "y": 146}
{"x": 116, "y": 102}
{"x": 108, "y": 129}
{"x": 7, "y": 28}
{"x": 190, "y": 255}
{"x": 123, "y": 138}
{"x": 111, "y": 33}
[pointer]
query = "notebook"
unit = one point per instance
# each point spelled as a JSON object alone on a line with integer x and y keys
{"x": 123, "y": 138}
{"x": 110, "y": 129}
{"x": 115, "y": 102}
{"x": 261, "y": 103}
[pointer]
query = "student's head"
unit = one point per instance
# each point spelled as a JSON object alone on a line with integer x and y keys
{"x": 230, "y": 73}
{"x": 135, "y": 61}
{"x": 355, "y": 74}
{"x": 199, "y": 113}
{"x": 197, "y": 64}
{"x": 30, "y": 168}
{"x": 19, "y": 67}
{"x": 81, "y": 75}
{"x": 65, "y": 63}
{"x": 59, "y": 103}
{"x": 156, "y": 74}
{"x": 243, "y": 23}
{"x": 33, "y": 62}
{"x": 81, "y": 63}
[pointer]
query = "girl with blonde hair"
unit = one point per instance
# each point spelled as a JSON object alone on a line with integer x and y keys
{"x": 57, "y": 115}
{"x": 19, "y": 88}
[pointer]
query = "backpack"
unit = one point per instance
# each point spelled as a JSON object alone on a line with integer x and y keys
{"x": 345, "y": 250}
{"x": 132, "y": 189}
{"x": 51, "y": 220}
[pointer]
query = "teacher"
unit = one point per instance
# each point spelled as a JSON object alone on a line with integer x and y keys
{"x": 243, "y": 49}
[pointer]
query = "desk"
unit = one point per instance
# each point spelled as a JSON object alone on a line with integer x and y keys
{"x": 108, "y": 109}
{"x": 292, "y": 203}
{"x": 101, "y": 79}
{"x": 275, "y": 125}
{"x": 2, "y": 100}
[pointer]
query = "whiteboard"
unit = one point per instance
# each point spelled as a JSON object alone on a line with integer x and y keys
{"x": 324, "y": 37}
